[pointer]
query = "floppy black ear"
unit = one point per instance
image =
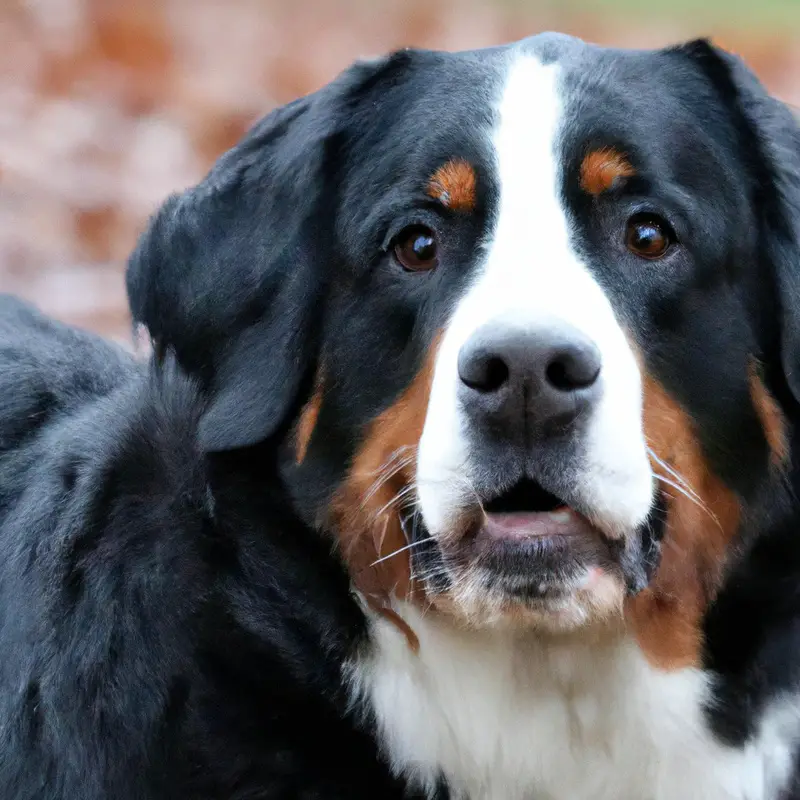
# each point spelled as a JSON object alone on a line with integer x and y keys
{"x": 231, "y": 274}
{"x": 771, "y": 141}
{"x": 228, "y": 275}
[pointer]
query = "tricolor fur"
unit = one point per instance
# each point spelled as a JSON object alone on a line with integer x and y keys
{"x": 464, "y": 466}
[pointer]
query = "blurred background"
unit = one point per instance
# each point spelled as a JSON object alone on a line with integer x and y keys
{"x": 106, "y": 106}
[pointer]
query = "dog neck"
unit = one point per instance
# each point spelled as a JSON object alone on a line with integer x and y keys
{"x": 504, "y": 713}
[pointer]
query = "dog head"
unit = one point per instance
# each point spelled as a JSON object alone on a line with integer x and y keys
{"x": 522, "y": 322}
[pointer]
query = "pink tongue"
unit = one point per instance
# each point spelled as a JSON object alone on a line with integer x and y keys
{"x": 528, "y": 524}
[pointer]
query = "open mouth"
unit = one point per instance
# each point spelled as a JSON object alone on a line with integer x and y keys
{"x": 524, "y": 544}
{"x": 527, "y": 510}
{"x": 526, "y": 495}
{"x": 528, "y": 545}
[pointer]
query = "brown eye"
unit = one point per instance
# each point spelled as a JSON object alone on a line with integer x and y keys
{"x": 415, "y": 249}
{"x": 649, "y": 237}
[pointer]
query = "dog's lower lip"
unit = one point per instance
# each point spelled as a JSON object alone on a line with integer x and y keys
{"x": 520, "y": 525}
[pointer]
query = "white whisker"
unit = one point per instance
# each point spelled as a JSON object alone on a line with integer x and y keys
{"x": 694, "y": 499}
{"x": 398, "y": 551}
{"x": 674, "y": 473}
{"x": 388, "y": 470}
{"x": 403, "y": 493}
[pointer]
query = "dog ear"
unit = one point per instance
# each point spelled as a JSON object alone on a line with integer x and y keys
{"x": 770, "y": 134}
{"x": 228, "y": 275}
{"x": 231, "y": 275}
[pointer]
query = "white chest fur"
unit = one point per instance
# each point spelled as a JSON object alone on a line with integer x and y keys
{"x": 509, "y": 718}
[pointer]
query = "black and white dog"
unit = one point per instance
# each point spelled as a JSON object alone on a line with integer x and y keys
{"x": 464, "y": 466}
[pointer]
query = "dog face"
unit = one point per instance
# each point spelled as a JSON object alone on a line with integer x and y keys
{"x": 520, "y": 322}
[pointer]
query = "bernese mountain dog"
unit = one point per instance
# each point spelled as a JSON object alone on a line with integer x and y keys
{"x": 462, "y": 467}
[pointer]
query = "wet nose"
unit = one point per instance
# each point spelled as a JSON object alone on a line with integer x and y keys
{"x": 528, "y": 380}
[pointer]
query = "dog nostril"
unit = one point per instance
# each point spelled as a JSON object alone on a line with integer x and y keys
{"x": 573, "y": 369}
{"x": 496, "y": 374}
{"x": 484, "y": 373}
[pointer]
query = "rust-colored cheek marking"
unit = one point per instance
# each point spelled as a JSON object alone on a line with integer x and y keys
{"x": 667, "y": 617}
{"x": 453, "y": 185}
{"x": 772, "y": 420}
{"x": 601, "y": 169}
{"x": 364, "y": 512}
{"x": 308, "y": 420}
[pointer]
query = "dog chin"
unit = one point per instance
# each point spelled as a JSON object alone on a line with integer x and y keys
{"x": 596, "y": 605}
{"x": 533, "y": 573}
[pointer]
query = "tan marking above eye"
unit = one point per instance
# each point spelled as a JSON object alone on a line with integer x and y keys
{"x": 602, "y": 169}
{"x": 454, "y": 185}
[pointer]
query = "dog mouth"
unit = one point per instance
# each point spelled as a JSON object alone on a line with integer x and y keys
{"x": 525, "y": 496}
{"x": 524, "y": 543}
{"x": 527, "y": 510}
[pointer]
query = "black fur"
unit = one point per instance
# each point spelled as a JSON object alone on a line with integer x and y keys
{"x": 169, "y": 628}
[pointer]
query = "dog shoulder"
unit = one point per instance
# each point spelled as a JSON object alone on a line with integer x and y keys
{"x": 126, "y": 551}
{"x": 103, "y": 521}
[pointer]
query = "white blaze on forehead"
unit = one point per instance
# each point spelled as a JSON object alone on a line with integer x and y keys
{"x": 532, "y": 277}
{"x": 531, "y": 224}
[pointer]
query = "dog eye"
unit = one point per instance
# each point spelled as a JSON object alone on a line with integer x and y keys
{"x": 415, "y": 248}
{"x": 649, "y": 236}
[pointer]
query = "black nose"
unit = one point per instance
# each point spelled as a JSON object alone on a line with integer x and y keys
{"x": 523, "y": 380}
